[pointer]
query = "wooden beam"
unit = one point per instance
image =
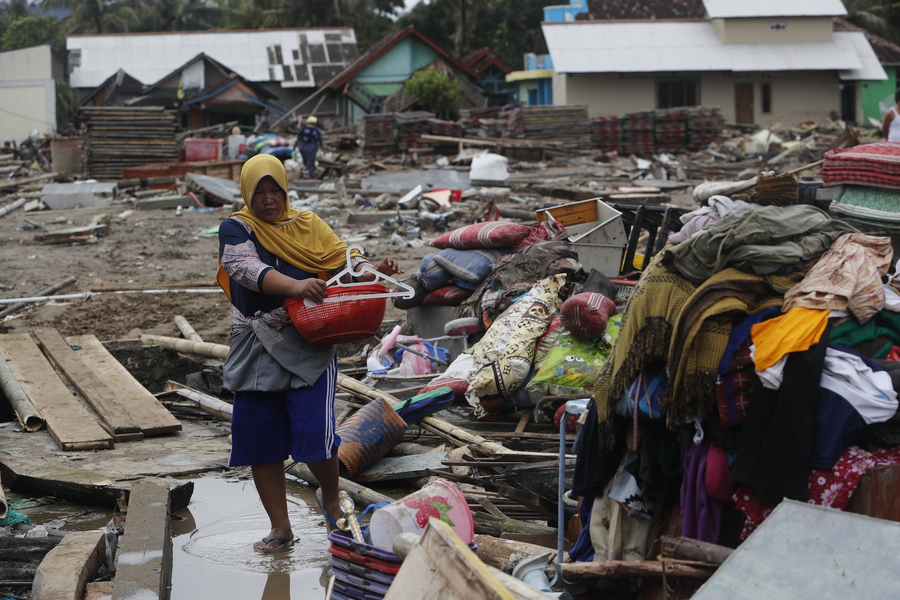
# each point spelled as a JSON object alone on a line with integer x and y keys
{"x": 633, "y": 569}
{"x": 145, "y": 558}
{"x": 65, "y": 571}
{"x": 112, "y": 413}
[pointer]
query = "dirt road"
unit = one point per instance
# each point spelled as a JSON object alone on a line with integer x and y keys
{"x": 143, "y": 249}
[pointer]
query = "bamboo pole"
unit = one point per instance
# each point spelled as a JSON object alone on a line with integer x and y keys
{"x": 484, "y": 522}
{"x": 46, "y": 292}
{"x": 632, "y": 569}
{"x": 12, "y": 206}
{"x": 187, "y": 346}
{"x": 29, "y": 416}
{"x": 208, "y": 404}
{"x": 186, "y": 330}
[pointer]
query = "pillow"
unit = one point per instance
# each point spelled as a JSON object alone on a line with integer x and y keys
{"x": 431, "y": 274}
{"x": 586, "y": 314}
{"x": 492, "y": 234}
{"x": 469, "y": 265}
{"x": 449, "y": 295}
{"x": 572, "y": 365}
{"x": 504, "y": 356}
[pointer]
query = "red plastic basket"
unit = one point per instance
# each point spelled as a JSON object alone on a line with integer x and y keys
{"x": 339, "y": 322}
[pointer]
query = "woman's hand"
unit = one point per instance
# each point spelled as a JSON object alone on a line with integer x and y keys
{"x": 388, "y": 266}
{"x": 311, "y": 288}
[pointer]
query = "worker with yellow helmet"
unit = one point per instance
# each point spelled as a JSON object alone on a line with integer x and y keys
{"x": 309, "y": 138}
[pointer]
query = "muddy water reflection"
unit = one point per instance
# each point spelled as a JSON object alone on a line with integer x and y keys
{"x": 213, "y": 555}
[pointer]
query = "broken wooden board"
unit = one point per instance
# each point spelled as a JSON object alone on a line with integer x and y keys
{"x": 113, "y": 414}
{"x": 144, "y": 563}
{"x": 150, "y": 416}
{"x": 30, "y": 463}
{"x": 65, "y": 571}
{"x": 403, "y": 467}
{"x": 72, "y": 234}
{"x": 68, "y": 421}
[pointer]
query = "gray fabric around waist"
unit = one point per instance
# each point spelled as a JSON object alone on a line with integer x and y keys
{"x": 267, "y": 359}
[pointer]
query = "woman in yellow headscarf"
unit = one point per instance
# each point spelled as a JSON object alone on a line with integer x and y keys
{"x": 283, "y": 387}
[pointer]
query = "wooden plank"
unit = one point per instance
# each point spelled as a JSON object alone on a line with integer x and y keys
{"x": 151, "y": 416}
{"x": 65, "y": 571}
{"x": 112, "y": 413}
{"x": 68, "y": 421}
{"x": 442, "y": 567}
{"x": 144, "y": 565}
{"x": 403, "y": 467}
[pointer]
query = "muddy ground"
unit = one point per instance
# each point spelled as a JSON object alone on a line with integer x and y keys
{"x": 143, "y": 248}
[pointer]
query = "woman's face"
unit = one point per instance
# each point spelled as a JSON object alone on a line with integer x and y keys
{"x": 268, "y": 200}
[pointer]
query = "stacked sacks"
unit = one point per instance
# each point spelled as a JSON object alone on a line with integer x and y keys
{"x": 467, "y": 256}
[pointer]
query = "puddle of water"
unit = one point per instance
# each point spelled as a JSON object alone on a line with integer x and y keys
{"x": 212, "y": 546}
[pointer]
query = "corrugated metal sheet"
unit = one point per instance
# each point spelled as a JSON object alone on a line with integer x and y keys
{"x": 724, "y": 9}
{"x": 650, "y": 46}
{"x": 871, "y": 69}
{"x": 804, "y": 551}
{"x": 258, "y": 56}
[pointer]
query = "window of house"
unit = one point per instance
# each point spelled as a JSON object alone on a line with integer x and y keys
{"x": 766, "y": 98}
{"x": 677, "y": 92}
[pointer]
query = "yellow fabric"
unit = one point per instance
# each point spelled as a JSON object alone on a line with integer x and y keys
{"x": 795, "y": 331}
{"x": 298, "y": 237}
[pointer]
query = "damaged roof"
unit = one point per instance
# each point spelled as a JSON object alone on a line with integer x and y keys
{"x": 689, "y": 46}
{"x": 888, "y": 53}
{"x": 382, "y": 46}
{"x": 293, "y": 57}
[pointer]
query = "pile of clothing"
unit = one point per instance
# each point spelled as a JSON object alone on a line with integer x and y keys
{"x": 756, "y": 361}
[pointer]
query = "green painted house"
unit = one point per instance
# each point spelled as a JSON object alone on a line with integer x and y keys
{"x": 367, "y": 84}
{"x": 873, "y": 97}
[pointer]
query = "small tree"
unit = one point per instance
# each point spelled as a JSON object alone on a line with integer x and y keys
{"x": 436, "y": 92}
{"x": 26, "y": 32}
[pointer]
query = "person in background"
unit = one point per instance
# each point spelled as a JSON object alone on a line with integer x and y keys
{"x": 284, "y": 387}
{"x": 309, "y": 138}
{"x": 890, "y": 123}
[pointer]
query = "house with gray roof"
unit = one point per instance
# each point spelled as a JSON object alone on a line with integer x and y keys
{"x": 274, "y": 69}
{"x": 764, "y": 62}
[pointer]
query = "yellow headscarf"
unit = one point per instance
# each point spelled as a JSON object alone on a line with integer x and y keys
{"x": 298, "y": 237}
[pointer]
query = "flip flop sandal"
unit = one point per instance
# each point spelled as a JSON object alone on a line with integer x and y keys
{"x": 285, "y": 542}
{"x": 330, "y": 522}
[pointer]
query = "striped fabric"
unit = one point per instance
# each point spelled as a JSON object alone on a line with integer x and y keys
{"x": 491, "y": 234}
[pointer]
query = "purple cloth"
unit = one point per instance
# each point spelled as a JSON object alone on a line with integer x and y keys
{"x": 701, "y": 514}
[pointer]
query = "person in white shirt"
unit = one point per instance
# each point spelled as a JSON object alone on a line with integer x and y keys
{"x": 890, "y": 123}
